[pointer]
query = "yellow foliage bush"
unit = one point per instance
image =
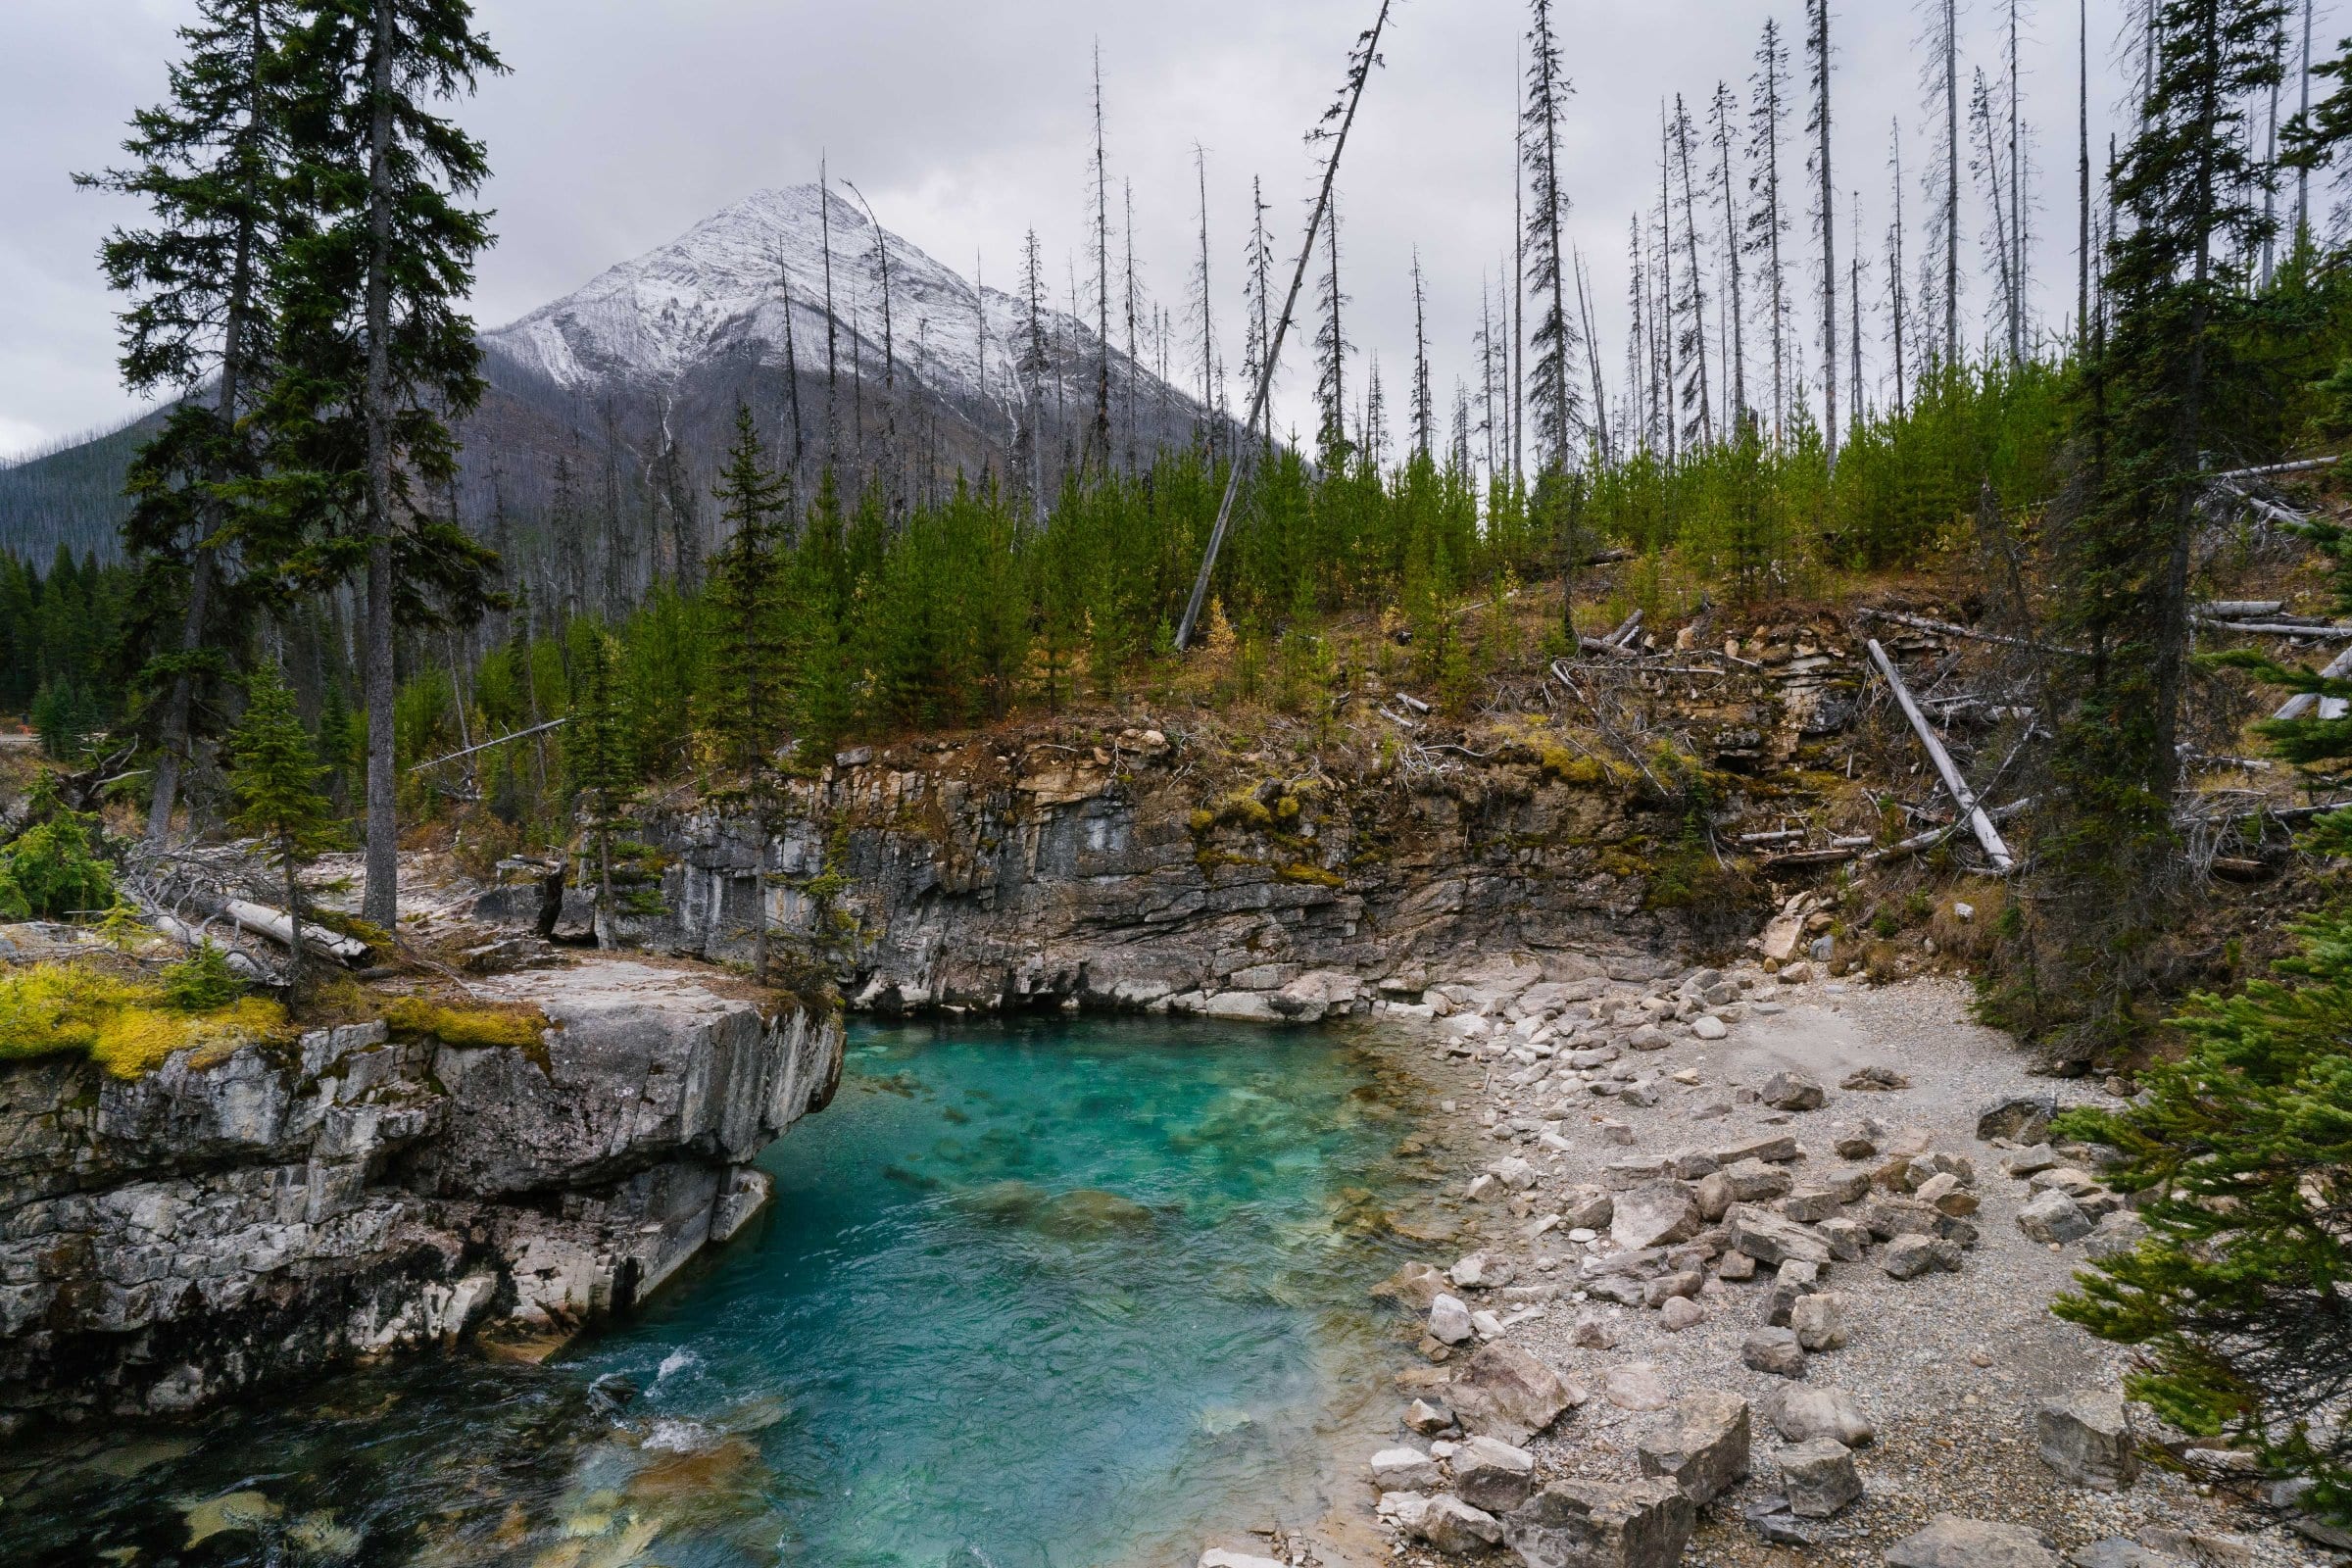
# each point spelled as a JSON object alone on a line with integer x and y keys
{"x": 126, "y": 1026}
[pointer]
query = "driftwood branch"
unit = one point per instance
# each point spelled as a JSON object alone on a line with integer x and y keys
{"x": 1963, "y": 796}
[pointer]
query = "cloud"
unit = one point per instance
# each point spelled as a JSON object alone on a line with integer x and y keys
{"x": 623, "y": 122}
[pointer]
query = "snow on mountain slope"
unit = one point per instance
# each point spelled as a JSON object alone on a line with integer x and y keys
{"x": 723, "y": 285}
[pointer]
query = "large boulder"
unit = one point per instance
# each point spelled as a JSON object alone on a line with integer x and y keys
{"x": 1801, "y": 1414}
{"x": 1774, "y": 1351}
{"x": 1819, "y": 1479}
{"x": 1951, "y": 1542}
{"x": 1656, "y": 1213}
{"x": 2054, "y": 1218}
{"x": 2086, "y": 1437}
{"x": 1819, "y": 1321}
{"x": 2025, "y": 1119}
{"x": 1493, "y": 1475}
{"x": 1505, "y": 1392}
{"x": 1403, "y": 1470}
{"x": 1598, "y": 1524}
{"x": 1793, "y": 1090}
{"x": 1453, "y": 1526}
{"x": 1768, "y": 1238}
{"x": 1704, "y": 1449}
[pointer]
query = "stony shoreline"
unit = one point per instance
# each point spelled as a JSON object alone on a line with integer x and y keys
{"x": 1709, "y": 1223}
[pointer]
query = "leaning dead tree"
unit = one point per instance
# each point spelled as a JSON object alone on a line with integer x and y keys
{"x": 1979, "y": 820}
{"x": 1359, "y": 71}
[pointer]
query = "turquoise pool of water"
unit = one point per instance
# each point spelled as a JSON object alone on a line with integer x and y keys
{"x": 1040, "y": 1295}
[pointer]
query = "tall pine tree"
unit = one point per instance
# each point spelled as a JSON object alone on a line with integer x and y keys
{"x": 2167, "y": 385}
{"x": 378, "y": 353}
{"x": 752, "y": 692}
{"x": 211, "y": 164}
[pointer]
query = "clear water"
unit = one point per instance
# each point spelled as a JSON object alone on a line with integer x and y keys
{"x": 1030, "y": 1296}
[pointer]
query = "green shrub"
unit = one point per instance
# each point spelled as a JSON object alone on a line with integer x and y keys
{"x": 53, "y": 871}
{"x": 202, "y": 981}
{"x": 2243, "y": 1153}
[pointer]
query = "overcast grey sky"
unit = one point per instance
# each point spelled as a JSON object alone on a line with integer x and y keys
{"x": 967, "y": 122}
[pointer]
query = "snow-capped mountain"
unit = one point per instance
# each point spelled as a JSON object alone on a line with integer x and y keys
{"x": 729, "y": 285}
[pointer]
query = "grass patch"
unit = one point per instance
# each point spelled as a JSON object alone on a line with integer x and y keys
{"x": 515, "y": 1026}
{"x": 128, "y": 1027}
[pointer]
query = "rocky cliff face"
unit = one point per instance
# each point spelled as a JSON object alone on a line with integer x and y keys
{"x": 168, "y": 1240}
{"x": 1136, "y": 872}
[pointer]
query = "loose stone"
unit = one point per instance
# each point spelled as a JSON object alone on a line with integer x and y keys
{"x": 1819, "y": 1478}
{"x": 1705, "y": 1449}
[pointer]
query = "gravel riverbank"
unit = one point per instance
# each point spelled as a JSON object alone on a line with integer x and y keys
{"x": 1590, "y": 1114}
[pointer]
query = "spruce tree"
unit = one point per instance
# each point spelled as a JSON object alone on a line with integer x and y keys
{"x": 751, "y": 695}
{"x": 600, "y": 754}
{"x": 378, "y": 353}
{"x": 2174, "y": 379}
{"x": 274, "y": 775}
{"x": 212, "y": 164}
{"x": 2236, "y": 1301}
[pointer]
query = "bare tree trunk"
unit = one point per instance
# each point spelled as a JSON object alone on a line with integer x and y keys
{"x": 1951, "y": 183}
{"x": 2083, "y": 137}
{"x": 1360, "y": 74}
{"x": 1820, "y": 50}
{"x": 381, "y": 903}
{"x": 1101, "y": 430}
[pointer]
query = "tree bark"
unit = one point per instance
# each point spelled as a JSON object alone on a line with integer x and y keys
{"x": 381, "y": 903}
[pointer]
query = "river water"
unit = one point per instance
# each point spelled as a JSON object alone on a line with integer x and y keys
{"x": 1031, "y": 1296}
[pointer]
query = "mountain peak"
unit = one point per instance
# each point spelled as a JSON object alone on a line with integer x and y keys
{"x": 752, "y": 278}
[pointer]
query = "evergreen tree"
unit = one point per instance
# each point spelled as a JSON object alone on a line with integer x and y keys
{"x": 2174, "y": 380}
{"x": 751, "y": 694}
{"x": 274, "y": 775}
{"x": 211, "y": 162}
{"x": 600, "y": 755}
{"x": 378, "y": 351}
{"x": 2241, "y": 1147}
{"x": 1547, "y": 91}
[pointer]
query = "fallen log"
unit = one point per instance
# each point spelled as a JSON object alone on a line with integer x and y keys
{"x": 1961, "y": 796}
{"x": 2270, "y": 468}
{"x": 2241, "y": 608}
{"x": 1934, "y": 836}
{"x": 1623, "y": 636}
{"x": 519, "y": 734}
{"x": 1947, "y": 628}
{"x": 2295, "y": 706}
{"x": 2271, "y": 510}
{"x": 2324, "y": 632}
{"x": 262, "y": 920}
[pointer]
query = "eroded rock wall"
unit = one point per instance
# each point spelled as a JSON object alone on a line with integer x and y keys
{"x": 170, "y": 1239}
{"x": 1133, "y": 876}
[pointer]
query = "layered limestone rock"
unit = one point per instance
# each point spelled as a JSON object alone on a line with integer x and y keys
{"x": 1133, "y": 876}
{"x": 169, "y": 1240}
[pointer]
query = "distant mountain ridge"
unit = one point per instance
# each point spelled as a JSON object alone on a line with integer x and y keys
{"x": 610, "y": 409}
